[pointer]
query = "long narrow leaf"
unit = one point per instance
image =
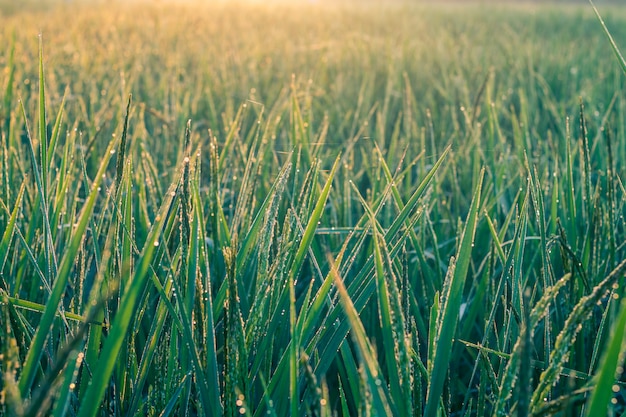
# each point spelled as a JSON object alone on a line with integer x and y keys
{"x": 451, "y": 305}
{"x": 45, "y": 325}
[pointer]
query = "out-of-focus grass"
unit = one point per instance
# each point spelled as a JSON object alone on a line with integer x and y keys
{"x": 316, "y": 209}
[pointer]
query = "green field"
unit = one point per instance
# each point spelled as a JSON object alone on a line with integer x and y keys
{"x": 312, "y": 208}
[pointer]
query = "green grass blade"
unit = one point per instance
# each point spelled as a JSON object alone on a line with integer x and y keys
{"x": 391, "y": 320}
{"x": 210, "y": 351}
{"x": 43, "y": 330}
{"x": 119, "y": 327}
{"x": 271, "y": 199}
{"x": 294, "y": 400}
{"x": 43, "y": 128}
{"x": 432, "y": 333}
{"x": 7, "y": 236}
{"x": 54, "y": 137}
{"x": 148, "y": 353}
{"x": 312, "y": 224}
{"x": 616, "y": 50}
{"x": 451, "y": 305}
{"x": 44, "y": 146}
{"x": 379, "y": 393}
{"x": 305, "y": 243}
{"x": 32, "y": 306}
{"x": 184, "y": 383}
{"x": 121, "y": 152}
{"x": 70, "y": 373}
{"x": 604, "y": 381}
{"x": 361, "y": 287}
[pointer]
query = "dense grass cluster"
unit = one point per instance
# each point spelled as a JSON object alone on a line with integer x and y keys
{"x": 317, "y": 210}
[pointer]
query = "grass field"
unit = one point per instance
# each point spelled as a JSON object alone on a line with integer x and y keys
{"x": 312, "y": 208}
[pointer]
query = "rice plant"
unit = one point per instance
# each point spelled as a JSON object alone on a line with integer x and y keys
{"x": 312, "y": 208}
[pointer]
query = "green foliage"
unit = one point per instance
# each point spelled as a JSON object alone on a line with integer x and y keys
{"x": 322, "y": 209}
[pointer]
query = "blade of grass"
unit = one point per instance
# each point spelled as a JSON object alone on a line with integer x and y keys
{"x": 604, "y": 380}
{"x": 377, "y": 389}
{"x": 43, "y": 133}
{"x": 50, "y": 256}
{"x": 31, "y": 306}
{"x": 7, "y": 236}
{"x": 69, "y": 377}
{"x": 121, "y": 321}
{"x": 36, "y": 348}
{"x": 184, "y": 383}
{"x": 305, "y": 243}
{"x": 391, "y": 320}
{"x": 616, "y": 50}
{"x": 360, "y": 288}
{"x": 451, "y": 302}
